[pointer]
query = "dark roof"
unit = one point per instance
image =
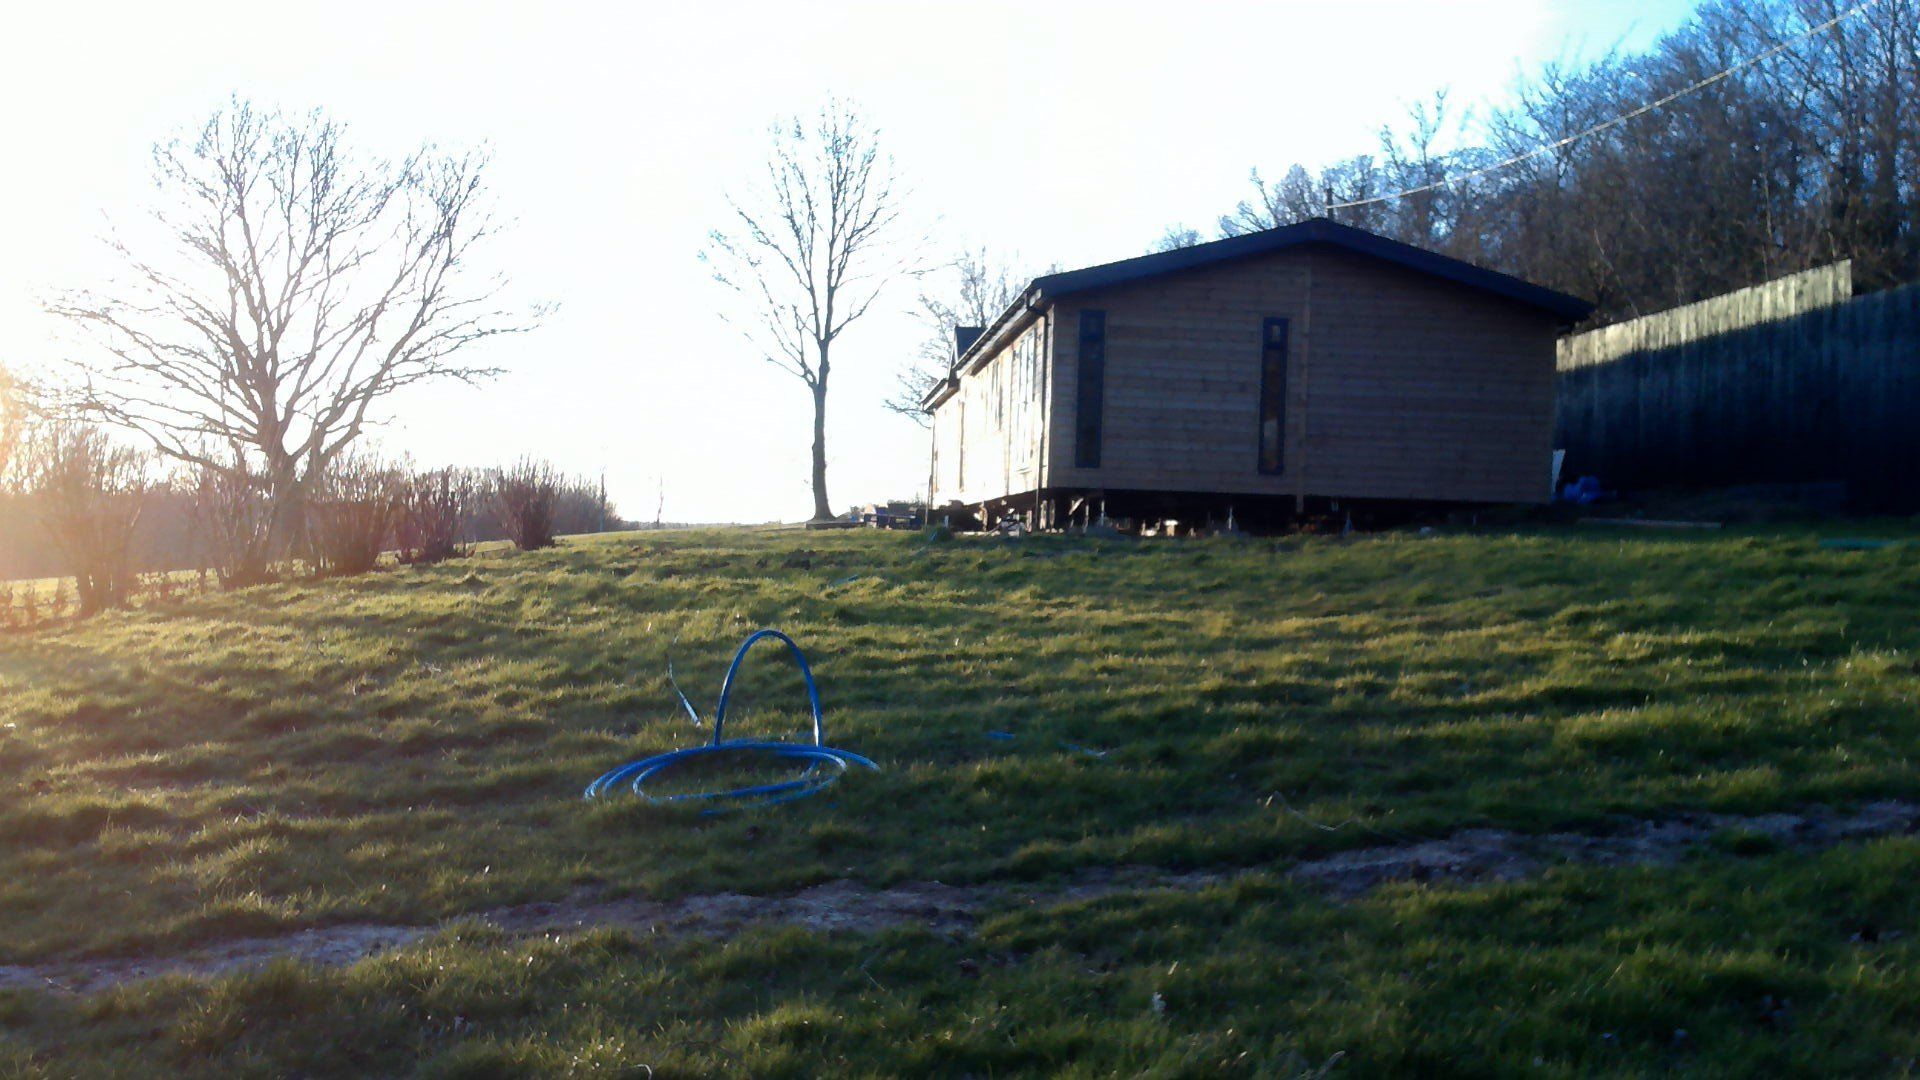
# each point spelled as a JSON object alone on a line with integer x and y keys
{"x": 964, "y": 337}
{"x": 1315, "y": 231}
{"x": 1323, "y": 231}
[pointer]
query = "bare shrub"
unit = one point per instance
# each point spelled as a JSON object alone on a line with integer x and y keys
{"x": 352, "y": 516}
{"x": 89, "y": 492}
{"x": 435, "y": 512}
{"x": 161, "y": 587}
{"x": 524, "y": 497}
{"x": 233, "y": 520}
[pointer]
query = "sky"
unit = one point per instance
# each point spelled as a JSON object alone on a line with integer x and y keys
{"x": 1063, "y": 133}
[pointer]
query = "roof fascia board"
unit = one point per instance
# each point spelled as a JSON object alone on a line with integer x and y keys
{"x": 1018, "y": 316}
{"x": 1316, "y": 231}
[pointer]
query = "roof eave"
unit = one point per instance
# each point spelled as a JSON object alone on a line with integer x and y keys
{"x": 940, "y": 392}
{"x": 1017, "y": 317}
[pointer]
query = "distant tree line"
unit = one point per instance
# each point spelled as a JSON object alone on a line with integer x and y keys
{"x": 76, "y": 503}
{"x": 1808, "y": 156}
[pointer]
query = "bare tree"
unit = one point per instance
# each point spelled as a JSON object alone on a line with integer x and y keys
{"x": 1293, "y": 199}
{"x": 1178, "y": 236}
{"x": 1415, "y": 164}
{"x": 971, "y": 290}
{"x": 288, "y": 288}
{"x": 810, "y": 250}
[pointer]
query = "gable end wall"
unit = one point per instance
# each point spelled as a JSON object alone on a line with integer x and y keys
{"x": 1400, "y": 386}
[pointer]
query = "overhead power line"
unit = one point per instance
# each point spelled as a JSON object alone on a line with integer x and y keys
{"x": 1616, "y": 121}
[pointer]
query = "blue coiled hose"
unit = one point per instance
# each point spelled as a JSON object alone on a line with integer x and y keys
{"x": 824, "y": 763}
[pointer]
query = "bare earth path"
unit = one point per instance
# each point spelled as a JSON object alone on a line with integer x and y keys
{"x": 1475, "y": 855}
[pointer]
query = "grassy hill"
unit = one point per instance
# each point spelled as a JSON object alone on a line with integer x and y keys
{"x": 1182, "y": 724}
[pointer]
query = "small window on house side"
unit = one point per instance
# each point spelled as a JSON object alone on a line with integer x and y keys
{"x": 1273, "y": 395}
{"x": 1091, "y": 390}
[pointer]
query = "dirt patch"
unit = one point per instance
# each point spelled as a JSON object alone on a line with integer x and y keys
{"x": 330, "y": 946}
{"x": 1498, "y": 855}
{"x": 1474, "y": 855}
{"x": 836, "y": 906}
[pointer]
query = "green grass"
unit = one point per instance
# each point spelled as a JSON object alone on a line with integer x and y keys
{"x": 410, "y": 746}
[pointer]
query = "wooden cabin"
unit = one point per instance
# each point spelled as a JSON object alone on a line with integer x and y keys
{"x": 1307, "y": 368}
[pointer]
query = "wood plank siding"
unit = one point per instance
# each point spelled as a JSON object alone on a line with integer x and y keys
{"x": 1422, "y": 389}
{"x": 987, "y": 437}
{"x": 1398, "y": 385}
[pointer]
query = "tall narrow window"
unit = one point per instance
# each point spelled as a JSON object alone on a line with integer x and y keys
{"x": 1090, "y": 397}
{"x": 1273, "y": 395}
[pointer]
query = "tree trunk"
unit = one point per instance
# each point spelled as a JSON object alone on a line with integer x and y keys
{"x": 287, "y": 531}
{"x": 822, "y": 510}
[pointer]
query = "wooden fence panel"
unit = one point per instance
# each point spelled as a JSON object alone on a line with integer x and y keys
{"x": 1790, "y": 382}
